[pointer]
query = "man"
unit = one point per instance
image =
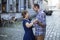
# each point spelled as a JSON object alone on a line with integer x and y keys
{"x": 40, "y": 26}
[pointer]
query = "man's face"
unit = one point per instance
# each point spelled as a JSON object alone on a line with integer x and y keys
{"x": 35, "y": 9}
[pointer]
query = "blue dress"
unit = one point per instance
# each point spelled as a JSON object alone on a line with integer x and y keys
{"x": 28, "y": 31}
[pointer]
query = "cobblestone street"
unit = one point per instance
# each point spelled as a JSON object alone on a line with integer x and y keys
{"x": 53, "y": 26}
{"x": 15, "y": 31}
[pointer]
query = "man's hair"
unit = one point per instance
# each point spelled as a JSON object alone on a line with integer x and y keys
{"x": 36, "y": 5}
{"x": 24, "y": 13}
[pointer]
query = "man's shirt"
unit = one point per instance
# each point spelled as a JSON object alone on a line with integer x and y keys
{"x": 41, "y": 16}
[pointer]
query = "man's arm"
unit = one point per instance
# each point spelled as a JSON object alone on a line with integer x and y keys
{"x": 41, "y": 24}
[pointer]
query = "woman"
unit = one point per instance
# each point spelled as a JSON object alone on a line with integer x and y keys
{"x": 27, "y": 24}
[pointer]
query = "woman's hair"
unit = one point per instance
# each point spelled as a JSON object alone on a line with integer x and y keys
{"x": 24, "y": 13}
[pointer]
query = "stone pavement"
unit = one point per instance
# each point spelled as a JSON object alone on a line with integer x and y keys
{"x": 15, "y": 31}
{"x": 53, "y": 26}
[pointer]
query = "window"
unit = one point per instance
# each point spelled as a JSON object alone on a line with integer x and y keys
{"x": 4, "y": 3}
{"x": 17, "y": 2}
{"x": 29, "y": 4}
{"x": 3, "y": 8}
{"x": 24, "y": 4}
{"x": 46, "y": 0}
{"x": 11, "y": 8}
{"x": 0, "y": 8}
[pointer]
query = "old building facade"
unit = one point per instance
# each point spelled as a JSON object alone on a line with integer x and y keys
{"x": 15, "y": 5}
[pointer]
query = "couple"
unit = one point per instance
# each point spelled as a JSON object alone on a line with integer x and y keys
{"x": 39, "y": 24}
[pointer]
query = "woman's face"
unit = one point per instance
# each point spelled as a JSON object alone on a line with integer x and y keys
{"x": 27, "y": 15}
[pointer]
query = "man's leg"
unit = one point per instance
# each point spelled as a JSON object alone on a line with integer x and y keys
{"x": 41, "y": 37}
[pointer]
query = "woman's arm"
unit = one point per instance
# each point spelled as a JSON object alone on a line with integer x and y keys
{"x": 28, "y": 25}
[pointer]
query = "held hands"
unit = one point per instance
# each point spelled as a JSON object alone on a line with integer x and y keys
{"x": 35, "y": 21}
{"x": 39, "y": 23}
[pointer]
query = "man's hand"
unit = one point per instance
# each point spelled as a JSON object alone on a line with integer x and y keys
{"x": 41, "y": 24}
